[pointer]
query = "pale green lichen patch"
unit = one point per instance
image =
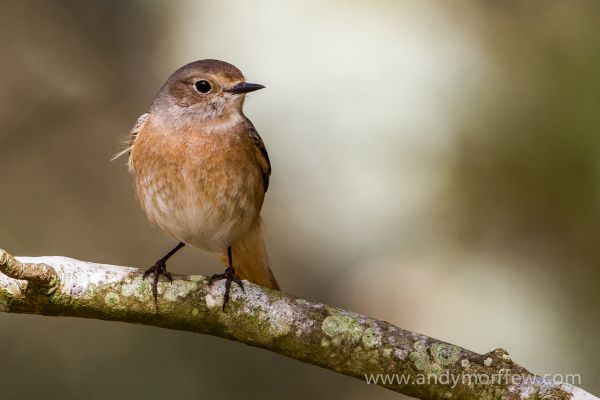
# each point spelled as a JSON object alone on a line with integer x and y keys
{"x": 371, "y": 337}
{"x": 90, "y": 291}
{"x": 111, "y": 299}
{"x": 433, "y": 369}
{"x": 273, "y": 317}
{"x": 179, "y": 289}
{"x": 465, "y": 363}
{"x": 420, "y": 359}
{"x": 420, "y": 346}
{"x": 343, "y": 328}
{"x": 387, "y": 352}
{"x": 137, "y": 287}
{"x": 445, "y": 354}
{"x": 488, "y": 361}
{"x": 442, "y": 354}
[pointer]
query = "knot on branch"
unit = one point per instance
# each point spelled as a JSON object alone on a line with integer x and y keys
{"x": 12, "y": 268}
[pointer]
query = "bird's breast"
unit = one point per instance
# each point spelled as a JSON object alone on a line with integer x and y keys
{"x": 204, "y": 189}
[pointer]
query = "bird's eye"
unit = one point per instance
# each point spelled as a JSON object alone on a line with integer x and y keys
{"x": 203, "y": 86}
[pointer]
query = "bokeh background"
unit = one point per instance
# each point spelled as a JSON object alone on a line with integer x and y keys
{"x": 435, "y": 164}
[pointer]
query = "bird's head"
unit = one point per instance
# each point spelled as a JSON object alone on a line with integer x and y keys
{"x": 204, "y": 90}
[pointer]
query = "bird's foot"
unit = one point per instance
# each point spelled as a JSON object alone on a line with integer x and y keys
{"x": 229, "y": 277}
{"x": 158, "y": 269}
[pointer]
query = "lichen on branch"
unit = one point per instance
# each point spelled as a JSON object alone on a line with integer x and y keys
{"x": 336, "y": 339}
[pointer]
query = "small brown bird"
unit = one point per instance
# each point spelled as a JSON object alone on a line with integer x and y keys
{"x": 202, "y": 171}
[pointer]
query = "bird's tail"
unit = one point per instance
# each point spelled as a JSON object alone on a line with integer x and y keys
{"x": 250, "y": 258}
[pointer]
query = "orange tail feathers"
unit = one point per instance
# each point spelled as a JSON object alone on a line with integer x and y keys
{"x": 250, "y": 258}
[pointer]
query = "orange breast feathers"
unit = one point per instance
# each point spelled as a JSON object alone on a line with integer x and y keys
{"x": 204, "y": 187}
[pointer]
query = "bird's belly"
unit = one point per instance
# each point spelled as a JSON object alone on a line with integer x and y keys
{"x": 207, "y": 207}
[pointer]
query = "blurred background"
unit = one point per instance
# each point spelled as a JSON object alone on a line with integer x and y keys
{"x": 435, "y": 164}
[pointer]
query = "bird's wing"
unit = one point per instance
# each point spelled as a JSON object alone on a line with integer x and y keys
{"x": 262, "y": 157}
{"x": 141, "y": 121}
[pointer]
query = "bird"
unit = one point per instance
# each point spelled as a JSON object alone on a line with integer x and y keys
{"x": 201, "y": 172}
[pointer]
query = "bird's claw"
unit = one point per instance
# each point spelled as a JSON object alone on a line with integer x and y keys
{"x": 158, "y": 269}
{"x": 229, "y": 277}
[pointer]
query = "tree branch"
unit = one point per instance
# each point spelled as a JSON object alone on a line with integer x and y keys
{"x": 329, "y": 337}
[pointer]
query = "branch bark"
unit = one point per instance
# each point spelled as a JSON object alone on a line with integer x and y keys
{"x": 332, "y": 338}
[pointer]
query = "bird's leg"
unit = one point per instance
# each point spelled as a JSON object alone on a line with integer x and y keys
{"x": 229, "y": 277}
{"x": 160, "y": 268}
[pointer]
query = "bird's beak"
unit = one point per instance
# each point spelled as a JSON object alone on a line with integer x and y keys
{"x": 244, "y": 87}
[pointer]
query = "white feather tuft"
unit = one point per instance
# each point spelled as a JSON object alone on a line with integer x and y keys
{"x": 141, "y": 121}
